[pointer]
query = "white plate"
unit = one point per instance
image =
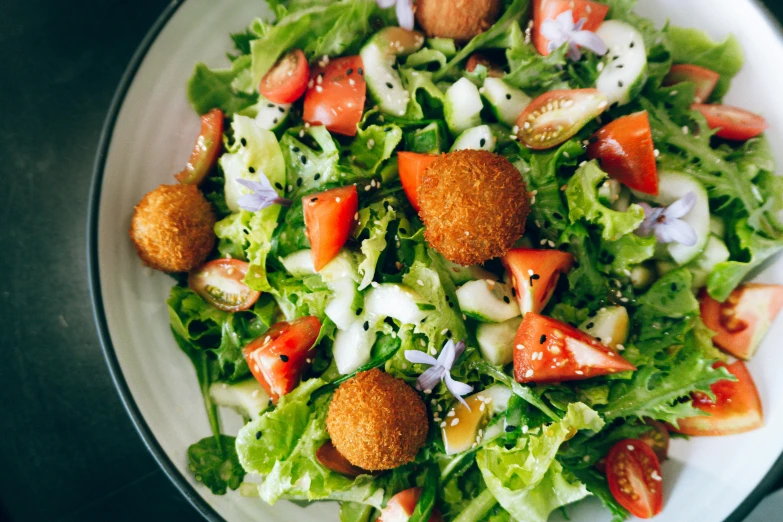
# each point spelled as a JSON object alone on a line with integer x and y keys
{"x": 149, "y": 135}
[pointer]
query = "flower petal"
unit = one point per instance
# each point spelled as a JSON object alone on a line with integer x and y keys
{"x": 405, "y": 14}
{"x": 681, "y": 207}
{"x": 573, "y": 52}
{"x": 385, "y": 4}
{"x": 430, "y": 378}
{"x": 676, "y": 230}
{"x": 651, "y": 215}
{"x": 458, "y": 389}
{"x": 458, "y": 349}
{"x": 419, "y": 357}
{"x": 447, "y": 355}
{"x": 566, "y": 20}
{"x": 552, "y": 31}
{"x": 589, "y": 40}
{"x": 255, "y": 186}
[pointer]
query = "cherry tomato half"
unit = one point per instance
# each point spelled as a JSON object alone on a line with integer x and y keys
{"x": 634, "y": 476}
{"x": 287, "y": 80}
{"x": 221, "y": 284}
{"x": 206, "y": 150}
{"x": 733, "y": 123}
{"x": 556, "y": 116}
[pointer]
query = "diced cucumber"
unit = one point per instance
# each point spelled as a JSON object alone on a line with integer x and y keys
{"x": 476, "y": 138}
{"x": 487, "y": 301}
{"x": 271, "y": 116}
{"x": 299, "y": 264}
{"x": 717, "y": 226}
{"x": 496, "y": 340}
{"x": 625, "y": 64}
{"x": 671, "y": 187}
{"x": 378, "y": 57}
{"x": 246, "y": 397}
{"x": 609, "y": 326}
{"x": 396, "y": 301}
{"x": 462, "y": 107}
{"x": 641, "y": 277}
{"x": 715, "y": 251}
{"x": 344, "y": 302}
{"x": 462, "y": 274}
{"x": 352, "y": 347}
{"x": 506, "y": 102}
{"x": 427, "y": 140}
{"x": 444, "y": 45}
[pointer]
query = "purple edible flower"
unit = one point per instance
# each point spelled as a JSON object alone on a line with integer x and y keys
{"x": 404, "y": 11}
{"x": 263, "y": 196}
{"x": 666, "y": 224}
{"x": 440, "y": 369}
{"x": 563, "y": 29}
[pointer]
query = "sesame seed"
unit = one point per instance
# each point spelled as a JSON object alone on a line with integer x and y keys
{"x": 685, "y": 129}
{"x": 673, "y": 93}
{"x": 656, "y": 152}
{"x": 525, "y": 428}
{"x": 337, "y": 199}
{"x": 528, "y": 374}
{"x": 420, "y": 282}
{"x": 451, "y": 413}
{"x": 443, "y": 424}
{"x": 455, "y": 422}
{"x": 579, "y": 372}
{"x": 284, "y": 358}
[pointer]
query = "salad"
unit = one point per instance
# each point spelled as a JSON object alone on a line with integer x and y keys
{"x": 468, "y": 260}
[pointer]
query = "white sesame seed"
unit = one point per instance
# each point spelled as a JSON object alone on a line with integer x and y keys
{"x": 685, "y": 129}
{"x": 337, "y": 199}
{"x": 455, "y": 422}
{"x": 318, "y": 88}
{"x": 374, "y": 284}
{"x": 420, "y": 282}
{"x": 579, "y": 372}
{"x": 520, "y": 347}
{"x": 525, "y": 428}
{"x": 528, "y": 374}
{"x": 427, "y": 392}
{"x": 451, "y": 413}
{"x": 630, "y": 448}
{"x": 656, "y": 152}
{"x": 673, "y": 93}
{"x": 443, "y": 424}
{"x": 655, "y": 476}
{"x": 444, "y": 331}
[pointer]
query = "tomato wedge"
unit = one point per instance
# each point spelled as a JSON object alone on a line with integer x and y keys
{"x": 493, "y": 69}
{"x": 741, "y": 322}
{"x": 328, "y": 456}
{"x": 556, "y": 116}
{"x": 625, "y": 148}
{"x": 221, "y": 284}
{"x": 278, "y": 358}
{"x": 329, "y": 218}
{"x": 412, "y": 166}
{"x": 336, "y": 94}
{"x": 534, "y": 275}
{"x": 206, "y": 150}
{"x": 402, "y": 505}
{"x": 704, "y": 79}
{"x": 548, "y": 350}
{"x": 634, "y": 476}
{"x": 733, "y": 123}
{"x": 657, "y": 438}
{"x": 287, "y": 80}
{"x": 736, "y": 408}
{"x": 593, "y": 12}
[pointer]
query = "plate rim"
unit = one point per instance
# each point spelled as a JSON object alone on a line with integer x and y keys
{"x": 99, "y": 317}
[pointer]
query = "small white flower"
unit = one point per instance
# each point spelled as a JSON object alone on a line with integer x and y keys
{"x": 404, "y": 10}
{"x": 563, "y": 29}
{"x": 666, "y": 224}
{"x": 440, "y": 369}
{"x": 263, "y": 195}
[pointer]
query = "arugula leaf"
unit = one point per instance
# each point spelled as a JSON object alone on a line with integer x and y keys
{"x": 531, "y": 72}
{"x": 214, "y": 88}
{"x": 216, "y": 465}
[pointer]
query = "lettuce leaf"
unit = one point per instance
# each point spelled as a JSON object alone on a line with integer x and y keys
{"x": 373, "y": 226}
{"x": 526, "y": 479}
{"x": 696, "y": 47}
{"x": 216, "y": 88}
{"x": 216, "y": 465}
{"x": 583, "y": 203}
{"x": 372, "y": 146}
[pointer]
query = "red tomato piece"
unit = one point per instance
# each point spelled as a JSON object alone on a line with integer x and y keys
{"x": 657, "y": 438}
{"x": 534, "y": 275}
{"x": 278, "y": 358}
{"x": 704, "y": 79}
{"x": 206, "y": 150}
{"x": 733, "y": 123}
{"x": 412, "y": 166}
{"x": 548, "y": 350}
{"x": 625, "y": 148}
{"x": 336, "y": 94}
{"x": 328, "y": 456}
{"x": 221, "y": 284}
{"x": 556, "y": 116}
{"x": 741, "y": 322}
{"x": 634, "y": 476}
{"x": 736, "y": 408}
{"x": 401, "y": 506}
{"x": 287, "y": 80}
{"x": 493, "y": 69}
{"x": 549, "y": 9}
{"x": 329, "y": 218}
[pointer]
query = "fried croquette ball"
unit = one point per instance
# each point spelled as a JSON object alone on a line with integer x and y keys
{"x": 473, "y": 204}
{"x": 173, "y": 228}
{"x": 457, "y": 19}
{"x": 377, "y": 421}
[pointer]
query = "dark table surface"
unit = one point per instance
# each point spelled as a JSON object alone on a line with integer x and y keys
{"x": 68, "y": 451}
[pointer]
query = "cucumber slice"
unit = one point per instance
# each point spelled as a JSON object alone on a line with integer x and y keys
{"x": 715, "y": 251}
{"x": 352, "y": 347}
{"x": 717, "y": 226}
{"x": 396, "y": 301}
{"x": 496, "y": 340}
{"x": 378, "y": 57}
{"x": 671, "y": 187}
{"x": 609, "y": 326}
{"x": 271, "y": 116}
{"x": 506, "y": 102}
{"x": 462, "y": 274}
{"x": 428, "y": 140}
{"x": 246, "y": 397}
{"x": 487, "y": 301}
{"x": 344, "y": 302}
{"x": 462, "y": 106}
{"x": 299, "y": 264}
{"x": 625, "y": 64}
{"x": 476, "y": 138}
{"x": 641, "y": 277}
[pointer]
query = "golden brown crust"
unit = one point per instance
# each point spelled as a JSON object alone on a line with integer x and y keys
{"x": 473, "y": 204}
{"x": 458, "y": 19}
{"x": 377, "y": 421}
{"x": 173, "y": 228}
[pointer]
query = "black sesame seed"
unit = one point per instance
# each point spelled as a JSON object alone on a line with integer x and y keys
{"x": 510, "y": 428}
{"x": 598, "y": 339}
{"x": 448, "y": 334}
{"x": 278, "y": 186}
{"x": 284, "y": 358}
{"x": 282, "y": 110}
{"x": 674, "y": 287}
{"x": 620, "y": 66}
{"x": 615, "y": 58}
{"x": 317, "y": 177}
{"x": 304, "y": 160}
{"x": 313, "y": 200}
{"x": 360, "y": 71}
{"x": 270, "y": 105}
{"x": 590, "y": 325}
{"x": 403, "y": 230}
{"x": 513, "y": 291}
{"x": 482, "y": 142}
{"x": 619, "y": 83}
{"x": 557, "y": 215}
{"x": 243, "y": 141}
{"x": 389, "y": 85}
{"x": 251, "y": 170}
{"x": 274, "y": 121}
{"x": 508, "y": 96}
{"x": 359, "y": 311}
{"x": 506, "y": 299}
{"x": 298, "y": 182}
{"x": 258, "y": 435}
{"x": 451, "y": 305}
{"x": 349, "y": 71}
{"x": 542, "y": 339}
{"x": 592, "y": 314}
{"x": 632, "y": 44}
{"x": 295, "y": 149}
{"x": 366, "y": 325}
{"x": 533, "y": 278}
